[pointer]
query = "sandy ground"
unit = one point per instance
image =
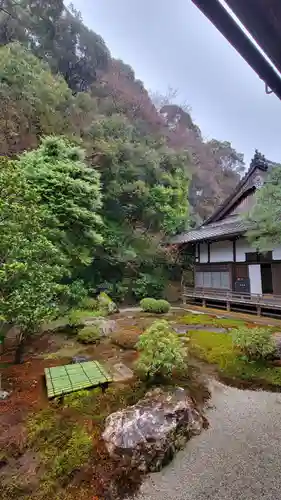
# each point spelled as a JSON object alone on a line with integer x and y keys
{"x": 238, "y": 457}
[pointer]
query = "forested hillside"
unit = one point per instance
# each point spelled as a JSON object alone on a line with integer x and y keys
{"x": 155, "y": 172}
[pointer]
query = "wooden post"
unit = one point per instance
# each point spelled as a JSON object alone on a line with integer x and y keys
{"x": 227, "y": 302}
{"x": 258, "y": 305}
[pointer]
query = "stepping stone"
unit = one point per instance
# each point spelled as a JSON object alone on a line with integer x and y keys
{"x": 121, "y": 372}
{"x": 182, "y": 329}
{"x": 80, "y": 359}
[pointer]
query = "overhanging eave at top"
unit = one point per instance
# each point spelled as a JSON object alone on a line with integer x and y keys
{"x": 229, "y": 28}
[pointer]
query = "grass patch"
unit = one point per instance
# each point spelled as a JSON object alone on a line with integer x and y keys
{"x": 217, "y": 349}
{"x": 87, "y": 313}
{"x": 206, "y": 320}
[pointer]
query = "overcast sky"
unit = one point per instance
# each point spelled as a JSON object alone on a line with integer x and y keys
{"x": 171, "y": 43}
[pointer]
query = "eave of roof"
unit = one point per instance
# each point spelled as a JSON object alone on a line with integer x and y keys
{"x": 258, "y": 162}
{"x": 219, "y": 230}
{"x": 262, "y": 18}
{"x": 225, "y": 23}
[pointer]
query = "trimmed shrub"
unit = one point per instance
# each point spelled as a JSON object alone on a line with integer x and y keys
{"x": 148, "y": 304}
{"x": 162, "y": 306}
{"x": 160, "y": 351}
{"x": 155, "y": 306}
{"x": 255, "y": 343}
{"x": 89, "y": 335}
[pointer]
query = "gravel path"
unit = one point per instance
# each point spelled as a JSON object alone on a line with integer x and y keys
{"x": 237, "y": 458}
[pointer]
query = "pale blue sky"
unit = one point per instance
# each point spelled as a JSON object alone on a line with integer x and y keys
{"x": 171, "y": 43}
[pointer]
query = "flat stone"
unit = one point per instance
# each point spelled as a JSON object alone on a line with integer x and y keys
{"x": 182, "y": 329}
{"x": 121, "y": 372}
{"x": 80, "y": 359}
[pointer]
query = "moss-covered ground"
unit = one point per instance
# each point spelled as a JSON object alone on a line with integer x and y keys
{"x": 217, "y": 349}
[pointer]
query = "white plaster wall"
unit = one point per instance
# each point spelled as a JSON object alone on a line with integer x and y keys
{"x": 221, "y": 251}
{"x": 203, "y": 253}
{"x": 242, "y": 247}
{"x": 276, "y": 253}
{"x": 255, "y": 278}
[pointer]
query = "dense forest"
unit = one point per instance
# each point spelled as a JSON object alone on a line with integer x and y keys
{"x": 115, "y": 171}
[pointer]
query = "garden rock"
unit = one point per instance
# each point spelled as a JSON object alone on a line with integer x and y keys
{"x": 80, "y": 359}
{"x": 4, "y": 395}
{"x": 148, "y": 434}
{"x": 105, "y": 326}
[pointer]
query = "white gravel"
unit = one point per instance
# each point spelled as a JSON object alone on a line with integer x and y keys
{"x": 237, "y": 458}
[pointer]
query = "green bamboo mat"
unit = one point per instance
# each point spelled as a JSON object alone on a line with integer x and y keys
{"x": 69, "y": 378}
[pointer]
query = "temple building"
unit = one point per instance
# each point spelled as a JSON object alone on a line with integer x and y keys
{"x": 224, "y": 261}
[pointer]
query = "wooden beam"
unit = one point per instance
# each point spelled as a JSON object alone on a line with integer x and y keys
{"x": 234, "y": 250}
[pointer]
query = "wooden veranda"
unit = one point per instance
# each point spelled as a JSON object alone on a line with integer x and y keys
{"x": 262, "y": 305}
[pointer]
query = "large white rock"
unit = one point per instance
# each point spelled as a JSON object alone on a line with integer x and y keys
{"x": 106, "y": 326}
{"x": 148, "y": 434}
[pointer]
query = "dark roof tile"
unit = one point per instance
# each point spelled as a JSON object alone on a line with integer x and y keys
{"x": 213, "y": 231}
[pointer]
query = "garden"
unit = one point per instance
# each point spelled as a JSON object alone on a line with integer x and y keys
{"x": 99, "y": 442}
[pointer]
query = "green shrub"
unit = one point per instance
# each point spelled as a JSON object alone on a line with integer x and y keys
{"x": 160, "y": 351}
{"x": 255, "y": 343}
{"x": 90, "y": 304}
{"x": 105, "y": 304}
{"x": 162, "y": 306}
{"x": 148, "y": 285}
{"x": 74, "y": 319}
{"x": 148, "y": 305}
{"x": 89, "y": 335}
{"x": 155, "y": 306}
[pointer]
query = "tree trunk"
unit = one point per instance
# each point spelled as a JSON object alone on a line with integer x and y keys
{"x": 19, "y": 352}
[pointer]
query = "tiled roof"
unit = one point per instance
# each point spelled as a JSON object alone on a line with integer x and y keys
{"x": 212, "y": 231}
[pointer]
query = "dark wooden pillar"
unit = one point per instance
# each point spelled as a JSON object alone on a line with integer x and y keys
{"x": 234, "y": 250}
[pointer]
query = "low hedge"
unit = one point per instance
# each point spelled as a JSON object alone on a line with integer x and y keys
{"x": 155, "y": 306}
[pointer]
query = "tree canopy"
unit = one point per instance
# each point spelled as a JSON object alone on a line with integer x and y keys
{"x": 69, "y": 190}
{"x": 57, "y": 35}
{"x": 114, "y": 177}
{"x": 265, "y": 216}
{"x": 145, "y": 200}
{"x": 31, "y": 265}
{"x": 33, "y": 101}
